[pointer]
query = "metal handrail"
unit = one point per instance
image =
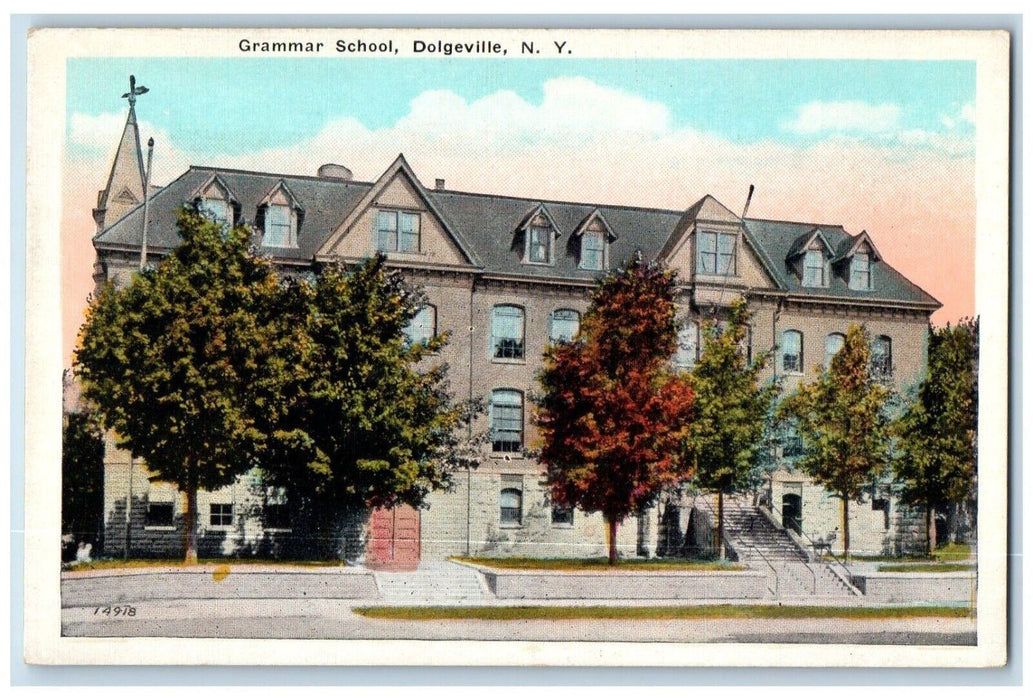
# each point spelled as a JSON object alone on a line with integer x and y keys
{"x": 771, "y": 566}
{"x": 814, "y": 545}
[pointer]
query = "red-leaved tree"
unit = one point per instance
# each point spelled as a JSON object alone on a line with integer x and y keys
{"x": 613, "y": 415}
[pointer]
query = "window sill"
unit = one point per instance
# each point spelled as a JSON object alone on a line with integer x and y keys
{"x": 278, "y": 530}
{"x": 221, "y": 528}
{"x": 508, "y": 361}
{"x": 793, "y": 373}
{"x": 511, "y": 526}
{"x": 563, "y": 526}
{"x": 539, "y": 264}
{"x": 160, "y": 528}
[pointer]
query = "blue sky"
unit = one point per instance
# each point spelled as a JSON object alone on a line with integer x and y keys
{"x": 246, "y": 104}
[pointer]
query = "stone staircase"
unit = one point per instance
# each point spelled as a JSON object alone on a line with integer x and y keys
{"x": 433, "y": 583}
{"x": 764, "y": 547}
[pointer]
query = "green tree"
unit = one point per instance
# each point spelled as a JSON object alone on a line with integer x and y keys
{"x": 613, "y": 415}
{"x": 366, "y": 423}
{"x": 82, "y": 478}
{"x": 185, "y": 362}
{"x": 936, "y": 460}
{"x": 841, "y": 418}
{"x": 731, "y": 409}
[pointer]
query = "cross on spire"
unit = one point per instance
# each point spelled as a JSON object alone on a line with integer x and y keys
{"x": 134, "y": 91}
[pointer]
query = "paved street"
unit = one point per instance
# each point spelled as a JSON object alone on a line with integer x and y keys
{"x": 318, "y": 604}
{"x": 333, "y": 619}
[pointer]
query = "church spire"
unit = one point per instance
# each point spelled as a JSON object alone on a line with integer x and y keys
{"x": 126, "y": 179}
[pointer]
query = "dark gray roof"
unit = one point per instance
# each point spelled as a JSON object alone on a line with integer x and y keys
{"x": 488, "y": 225}
{"x": 779, "y": 239}
{"x": 324, "y": 204}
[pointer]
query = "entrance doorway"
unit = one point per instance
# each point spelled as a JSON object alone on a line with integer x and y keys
{"x": 394, "y": 542}
{"x": 792, "y": 512}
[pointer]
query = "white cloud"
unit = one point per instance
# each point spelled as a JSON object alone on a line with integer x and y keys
{"x": 852, "y": 116}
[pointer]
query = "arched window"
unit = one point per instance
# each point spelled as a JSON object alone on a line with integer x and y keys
{"x": 882, "y": 356}
{"x": 564, "y": 325}
{"x": 507, "y": 332}
{"x": 422, "y": 327}
{"x": 688, "y": 346}
{"x": 833, "y": 343}
{"x": 506, "y": 416}
{"x": 593, "y": 250}
{"x": 511, "y": 504}
{"x": 792, "y": 352}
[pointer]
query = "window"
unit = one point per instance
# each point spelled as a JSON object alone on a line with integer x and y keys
{"x": 506, "y": 416}
{"x": 861, "y": 271}
{"x": 275, "y": 515}
{"x": 539, "y": 244}
{"x": 792, "y": 446}
{"x": 398, "y": 232}
{"x": 716, "y": 253}
{"x": 218, "y": 210}
{"x": 882, "y": 356}
{"x": 564, "y": 325}
{"x": 833, "y": 343}
{"x": 814, "y": 269}
{"x": 792, "y": 352}
{"x": 507, "y": 332}
{"x": 221, "y": 514}
{"x": 159, "y": 515}
{"x": 422, "y": 326}
{"x": 688, "y": 346}
{"x": 593, "y": 251}
{"x": 511, "y": 500}
{"x": 280, "y": 227}
{"x": 562, "y": 515}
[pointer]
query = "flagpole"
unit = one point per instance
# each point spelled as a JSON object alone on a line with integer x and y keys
{"x": 146, "y": 202}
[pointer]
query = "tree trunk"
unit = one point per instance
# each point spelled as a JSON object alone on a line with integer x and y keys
{"x": 930, "y": 529}
{"x": 611, "y": 540}
{"x": 190, "y": 522}
{"x": 720, "y": 524}
{"x": 846, "y": 527}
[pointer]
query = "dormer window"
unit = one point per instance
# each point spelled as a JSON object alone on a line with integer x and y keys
{"x": 716, "y": 253}
{"x": 280, "y": 229}
{"x": 398, "y": 232}
{"x": 593, "y": 250}
{"x": 861, "y": 271}
{"x": 218, "y": 210}
{"x": 539, "y": 244}
{"x": 815, "y": 273}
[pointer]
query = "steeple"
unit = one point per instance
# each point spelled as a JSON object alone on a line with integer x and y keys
{"x": 126, "y": 180}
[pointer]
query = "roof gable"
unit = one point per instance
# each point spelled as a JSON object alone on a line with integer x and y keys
{"x": 215, "y": 182}
{"x": 280, "y": 193}
{"x": 398, "y": 171}
{"x": 595, "y": 221}
{"x": 850, "y": 246}
{"x": 804, "y": 243}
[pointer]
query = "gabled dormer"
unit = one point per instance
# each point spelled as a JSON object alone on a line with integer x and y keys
{"x": 279, "y": 217}
{"x": 400, "y": 219}
{"x": 538, "y": 232}
{"x": 713, "y": 247}
{"x": 214, "y": 200}
{"x": 592, "y": 239}
{"x": 856, "y": 262}
{"x": 810, "y": 258}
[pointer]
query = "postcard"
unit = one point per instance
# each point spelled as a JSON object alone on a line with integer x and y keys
{"x": 517, "y": 347}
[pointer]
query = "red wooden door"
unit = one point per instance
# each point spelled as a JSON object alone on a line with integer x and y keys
{"x": 394, "y": 541}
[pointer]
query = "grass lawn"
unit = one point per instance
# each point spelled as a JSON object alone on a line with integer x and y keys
{"x": 100, "y": 564}
{"x": 925, "y": 568}
{"x": 658, "y": 612}
{"x": 945, "y": 554}
{"x": 598, "y": 564}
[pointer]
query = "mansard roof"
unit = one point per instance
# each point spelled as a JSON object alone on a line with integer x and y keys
{"x": 887, "y": 284}
{"x": 484, "y": 224}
